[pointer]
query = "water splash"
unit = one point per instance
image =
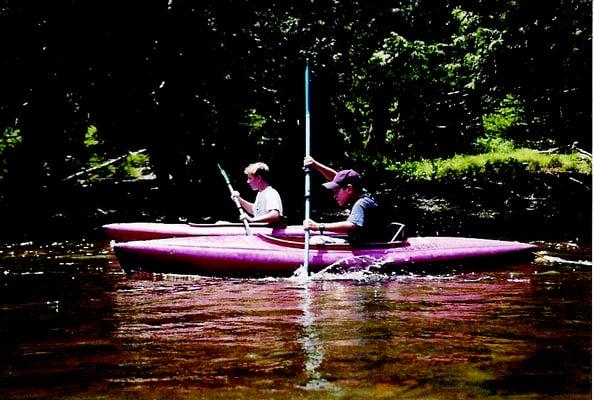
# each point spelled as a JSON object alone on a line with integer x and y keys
{"x": 300, "y": 275}
{"x": 361, "y": 268}
{"x": 370, "y": 269}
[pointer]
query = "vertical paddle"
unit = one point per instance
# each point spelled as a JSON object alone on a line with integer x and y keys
{"x": 248, "y": 231}
{"x": 307, "y": 180}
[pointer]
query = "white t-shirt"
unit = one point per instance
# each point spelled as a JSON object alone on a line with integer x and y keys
{"x": 267, "y": 200}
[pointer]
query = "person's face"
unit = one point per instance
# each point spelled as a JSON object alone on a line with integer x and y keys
{"x": 342, "y": 195}
{"x": 254, "y": 181}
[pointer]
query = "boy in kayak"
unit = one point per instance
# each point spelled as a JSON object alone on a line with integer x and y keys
{"x": 364, "y": 223}
{"x": 268, "y": 206}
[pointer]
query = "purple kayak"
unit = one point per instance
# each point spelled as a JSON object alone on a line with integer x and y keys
{"x": 124, "y": 232}
{"x": 265, "y": 255}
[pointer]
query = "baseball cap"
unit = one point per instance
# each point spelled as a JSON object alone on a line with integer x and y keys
{"x": 343, "y": 178}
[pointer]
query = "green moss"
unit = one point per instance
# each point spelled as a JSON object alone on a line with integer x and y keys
{"x": 493, "y": 162}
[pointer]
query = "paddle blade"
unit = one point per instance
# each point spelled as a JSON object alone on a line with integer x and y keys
{"x": 225, "y": 177}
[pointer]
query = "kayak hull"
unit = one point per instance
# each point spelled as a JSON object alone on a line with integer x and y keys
{"x": 128, "y": 231}
{"x": 263, "y": 255}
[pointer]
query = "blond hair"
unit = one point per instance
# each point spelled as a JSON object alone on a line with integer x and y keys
{"x": 258, "y": 169}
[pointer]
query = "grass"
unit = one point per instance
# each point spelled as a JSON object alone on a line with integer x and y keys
{"x": 493, "y": 162}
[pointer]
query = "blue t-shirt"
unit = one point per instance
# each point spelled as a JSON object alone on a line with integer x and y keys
{"x": 366, "y": 215}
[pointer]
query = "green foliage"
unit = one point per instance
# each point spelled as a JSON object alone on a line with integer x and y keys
{"x": 389, "y": 81}
{"x": 433, "y": 86}
{"x": 91, "y": 136}
{"x": 135, "y": 164}
{"x": 498, "y": 125}
{"x": 508, "y": 115}
{"x": 494, "y": 144}
{"x": 132, "y": 166}
{"x": 9, "y": 141}
{"x": 473, "y": 48}
{"x": 92, "y": 146}
{"x": 254, "y": 123}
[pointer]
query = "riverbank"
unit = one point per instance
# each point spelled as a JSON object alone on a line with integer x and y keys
{"x": 519, "y": 205}
{"x": 508, "y": 204}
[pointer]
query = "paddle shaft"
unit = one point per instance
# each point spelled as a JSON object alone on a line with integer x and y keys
{"x": 248, "y": 231}
{"x": 307, "y": 169}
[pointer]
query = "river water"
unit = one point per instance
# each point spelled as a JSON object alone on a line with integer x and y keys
{"x": 73, "y": 326}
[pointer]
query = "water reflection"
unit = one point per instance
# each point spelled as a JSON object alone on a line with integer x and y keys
{"x": 313, "y": 349}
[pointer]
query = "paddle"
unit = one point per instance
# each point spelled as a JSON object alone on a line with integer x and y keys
{"x": 248, "y": 231}
{"x": 307, "y": 180}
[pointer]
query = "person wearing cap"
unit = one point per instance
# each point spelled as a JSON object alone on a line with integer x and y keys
{"x": 268, "y": 206}
{"x": 364, "y": 221}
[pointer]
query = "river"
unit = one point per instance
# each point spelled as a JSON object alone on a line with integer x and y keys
{"x": 73, "y": 326}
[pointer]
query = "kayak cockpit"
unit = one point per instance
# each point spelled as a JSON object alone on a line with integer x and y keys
{"x": 398, "y": 240}
{"x": 299, "y": 243}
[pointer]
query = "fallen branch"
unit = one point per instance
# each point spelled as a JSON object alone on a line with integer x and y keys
{"x": 102, "y": 165}
{"x": 567, "y": 148}
{"x": 584, "y": 152}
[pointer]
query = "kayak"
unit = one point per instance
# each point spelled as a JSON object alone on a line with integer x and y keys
{"x": 266, "y": 255}
{"x": 124, "y": 232}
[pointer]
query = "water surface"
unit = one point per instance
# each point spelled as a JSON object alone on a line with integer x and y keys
{"x": 73, "y": 326}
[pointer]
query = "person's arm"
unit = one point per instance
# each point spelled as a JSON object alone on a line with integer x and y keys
{"x": 270, "y": 216}
{"x": 345, "y": 227}
{"x": 325, "y": 170}
{"x": 246, "y": 205}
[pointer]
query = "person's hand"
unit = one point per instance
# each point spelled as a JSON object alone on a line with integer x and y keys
{"x": 245, "y": 217}
{"x": 309, "y": 224}
{"x": 308, "y": 161}
{"x": 235, "y": 195}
